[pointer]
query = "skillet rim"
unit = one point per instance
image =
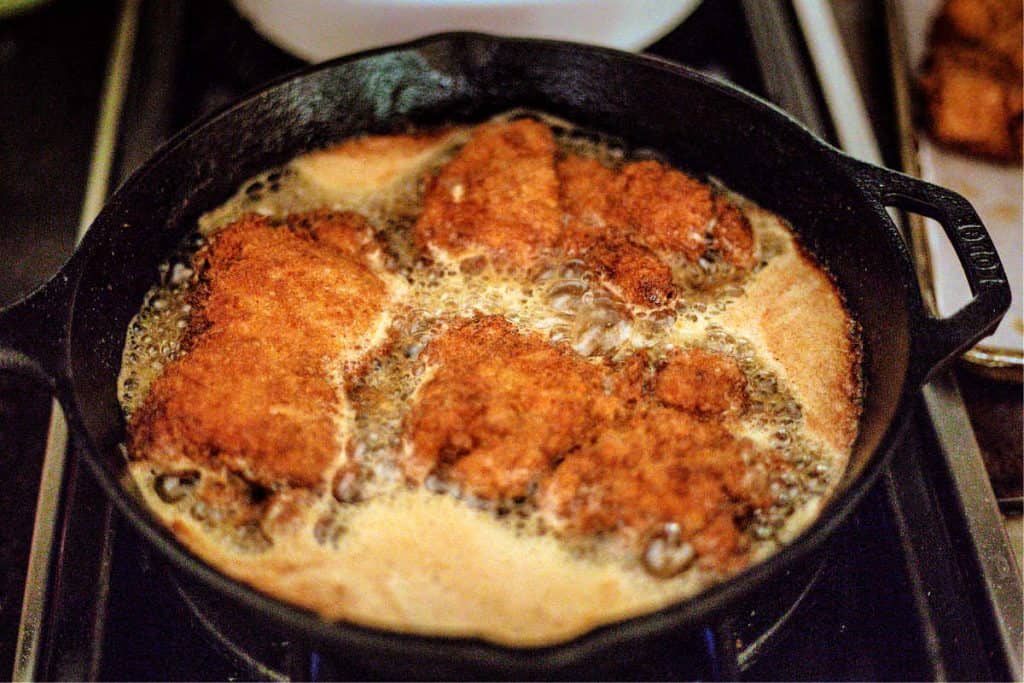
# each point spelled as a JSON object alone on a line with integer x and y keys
{"x": 689, "y": 612}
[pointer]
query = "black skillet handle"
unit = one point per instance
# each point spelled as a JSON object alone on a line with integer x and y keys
{"x": 33, "y": 331}
{"x": 939, "y": 341}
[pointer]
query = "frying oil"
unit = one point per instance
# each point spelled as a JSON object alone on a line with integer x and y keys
{"x": 562, "y": 301}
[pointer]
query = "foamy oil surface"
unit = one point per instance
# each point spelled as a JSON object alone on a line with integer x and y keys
{"x": 346, "y": 575}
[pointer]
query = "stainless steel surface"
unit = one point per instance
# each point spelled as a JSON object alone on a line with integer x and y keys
{"x": 54, "y": 459}
{"x": 778, "y": 53}
{"x": 997, "y": 363}
{"x": 38, "y": 577}
{"x": 997, "y": 564}
{"x": 837, "y": 79}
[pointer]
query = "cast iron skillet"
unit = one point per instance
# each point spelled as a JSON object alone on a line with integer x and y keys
{"x": 70, "y": 332}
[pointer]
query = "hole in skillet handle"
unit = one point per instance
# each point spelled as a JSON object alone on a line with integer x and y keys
{"x": 34, "y": 331}
{"x": 939, "y": 341}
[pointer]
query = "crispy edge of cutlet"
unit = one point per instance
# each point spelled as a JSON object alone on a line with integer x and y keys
{"x": 509, "y": 194}
{"x": 503, "y": 412}
{"x": 595, "y": 231}
{"x": 704, "y": 383}
{"x": 251, "y": 392}
{"x": 669, "y": 211}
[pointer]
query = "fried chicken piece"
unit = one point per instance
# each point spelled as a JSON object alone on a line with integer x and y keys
{"x": 502, "y": 412}
{"x": 597, "y": 233}
{"x": 499, "y": 194}
{"x": 629, "y": 225}
{"x": 500, "y": 407}
{"x": 586, "y": 192}
{"x": 732, "y": 235}
{"x": 275, "y": 310}
{"x": 638, "y": 275}
{"x": 673, "y": 213}
{"x": 504, "y": 195}
{"x": 668, "y": 211}
{"x": 702, "y": 382}
{"x": 973, "y": 77}
{"x": 972, "y": 103}
{"x": 659, "y": 467}
{"x": 998, "y": 25}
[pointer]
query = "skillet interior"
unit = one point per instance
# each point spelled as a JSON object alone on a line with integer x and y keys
{"x": 700, "y": 125}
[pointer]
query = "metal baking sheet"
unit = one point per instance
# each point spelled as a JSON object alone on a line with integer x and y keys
{"x": 994, "y": 189}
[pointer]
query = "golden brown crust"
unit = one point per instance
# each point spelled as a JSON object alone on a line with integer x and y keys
{"x": 630, "y": 225}
{"x": 660, "y": 467}
{"x": 499, "y": 193}
{"x": 669, "y": 211}
{"x": 732, "y": 235}
{"x": 637, "y": 275}
{"x": 702, "y": 382}
{"x": 503, "y": 412}
{"x": 500, "y": 407}
{"x": 506, "y": 194}
{"x": 587, "y": 194}
{"x": 597, "y": 232}
{"x": 612, "y": 450}
{"x": 251, "y": 392}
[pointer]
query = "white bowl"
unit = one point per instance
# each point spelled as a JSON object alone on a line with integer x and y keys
{"x": 316, "y": 30}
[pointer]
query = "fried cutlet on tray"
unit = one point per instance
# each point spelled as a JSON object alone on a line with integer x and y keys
{"x": 972, "y": 81}
{"x": 275, "y": 305}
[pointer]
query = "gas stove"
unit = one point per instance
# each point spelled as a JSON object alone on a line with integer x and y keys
{"x": 909, "y": 589}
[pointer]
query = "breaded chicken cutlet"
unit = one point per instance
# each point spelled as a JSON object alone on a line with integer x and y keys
{"x": 620, "y": 448}
{"x": 972, "y": 81}
{"x": 512, "y": 195}
{"x": 656, "y": 468}
{"x": 499, "y": 194}
{"x": 499, "y": 407}
{"x": 274, "y": 310}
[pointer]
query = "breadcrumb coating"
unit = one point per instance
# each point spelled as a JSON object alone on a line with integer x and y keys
{"x": 274, "y": 307}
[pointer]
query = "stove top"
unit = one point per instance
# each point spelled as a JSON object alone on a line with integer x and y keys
{"x": 900, "y": 593}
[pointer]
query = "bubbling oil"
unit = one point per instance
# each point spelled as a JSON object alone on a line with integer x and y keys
{"x": 563, "y": 300}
